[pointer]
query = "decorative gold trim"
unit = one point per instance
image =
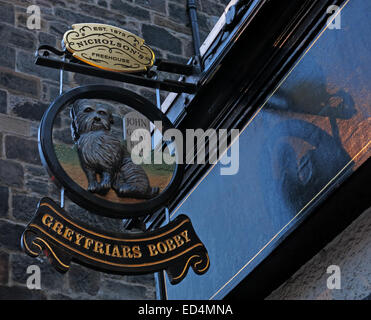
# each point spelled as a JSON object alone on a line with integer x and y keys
{"x": 198, "y": 262}
{"x": 207, "y": 264}
{"x": 53, "y": 253}
{"x": 186, "y": 266}
{"x": 109, "y": 52}
{"x": 28, "y": 248}
{"x": 108, "y": 237}
{"x": 113, "y": 263}
{"x": 37, "y": 245}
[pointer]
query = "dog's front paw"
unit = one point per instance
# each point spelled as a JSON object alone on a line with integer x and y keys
{"x": 103, "y": 188}
{"x": 125, "y": 190}
{"x": 93, "y": 187}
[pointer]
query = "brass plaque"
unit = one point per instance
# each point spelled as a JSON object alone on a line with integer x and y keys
{"x": 108, "y": 47}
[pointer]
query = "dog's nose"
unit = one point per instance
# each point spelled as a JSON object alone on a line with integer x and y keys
{"x": 96, "y": 119}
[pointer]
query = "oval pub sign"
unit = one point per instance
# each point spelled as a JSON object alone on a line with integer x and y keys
{"x": 108, "y": 47}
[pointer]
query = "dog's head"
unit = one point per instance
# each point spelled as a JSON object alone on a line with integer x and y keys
{"x": 88, "y": 115}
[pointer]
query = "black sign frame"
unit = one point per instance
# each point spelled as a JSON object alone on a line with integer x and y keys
{"x": 75, "y": 192}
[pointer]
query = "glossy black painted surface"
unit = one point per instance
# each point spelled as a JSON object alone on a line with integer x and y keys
{"x": 306, "y": 141}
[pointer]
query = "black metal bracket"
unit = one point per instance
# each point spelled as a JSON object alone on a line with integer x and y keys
{"x": 192, "y": 12}
{"x": 142, "y": 79}
{"x": 173, "y": 67}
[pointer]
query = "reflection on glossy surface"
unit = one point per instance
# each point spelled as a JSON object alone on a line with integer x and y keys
{"x": 313, "y": 132}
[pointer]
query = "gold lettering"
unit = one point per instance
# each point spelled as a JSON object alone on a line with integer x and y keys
{"x": 98, "y": 247}
{"x": 178, "y": 240}
{"x": 170, "y": 244}
{"x": 152, "y": 250}
{"x": 161, "y": 247}
{"x": 116, "y": 252}
{"x": 88, "y": 242}
{"x": 58, "y": 227}
{"x": 78, "y": 238}
{"x": 68, "y": 234}
{"x": 126, "y": 252}
{"x": 107, "y": 249}
{"x": 47, "y": 220}
{"x": 137, "y": 253}
{"x": 185, "y": 235}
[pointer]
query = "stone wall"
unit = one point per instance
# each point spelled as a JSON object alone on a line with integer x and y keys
{"x": 26, "y": 90}
{"x": 351, "y": 251}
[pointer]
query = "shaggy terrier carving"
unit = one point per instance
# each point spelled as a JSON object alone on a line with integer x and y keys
{"x": 103, "y": 155}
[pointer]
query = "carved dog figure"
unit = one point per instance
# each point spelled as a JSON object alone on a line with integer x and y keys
{"x": 102, "y": 154}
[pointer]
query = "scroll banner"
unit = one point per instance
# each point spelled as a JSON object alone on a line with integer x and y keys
{"x": 174, "y": 247}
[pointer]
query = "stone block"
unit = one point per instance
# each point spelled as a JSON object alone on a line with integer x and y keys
{"x": 14, "y": 125}
{"x": 168, "y": 23}
{"x": 46, "y": 38}
{"x": 39, "y": 187}
{"x": 10, "y": 235}
{"x": 50, "y": 278}
{"x": 18, "y": 83}
{"x": 212, "y": 8}
{"x": 157, "y": 5}
{"x": 4, "y": 267}
{"x": 26, "y": 63}
{"x": 7, "y": 12}
{"x": 3, "y": 101}
{"x": 19, "y": 38}
{"x": 22, "y": 149}
{"x": 73, "y": 17}
{"x": 161, "y": 38}
{"x": 4, "y": 202}
{"x": 27, "y": 108}
{"x": 24, "y": 207}
{"x": 11, "y": 174}
{"x": 20, "y": 293}
{"x": 115, "y": 290}
{"x": 7, "y": 57}
{"x": 83, "y": 280}
{"x": 130, "y": 11}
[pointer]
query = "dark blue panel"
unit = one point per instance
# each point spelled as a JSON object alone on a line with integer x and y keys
{"x": 313, "y": 131}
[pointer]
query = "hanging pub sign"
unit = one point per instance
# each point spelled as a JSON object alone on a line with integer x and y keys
{"x": 173, "y": 247}
{"x": 96, "y": 170}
